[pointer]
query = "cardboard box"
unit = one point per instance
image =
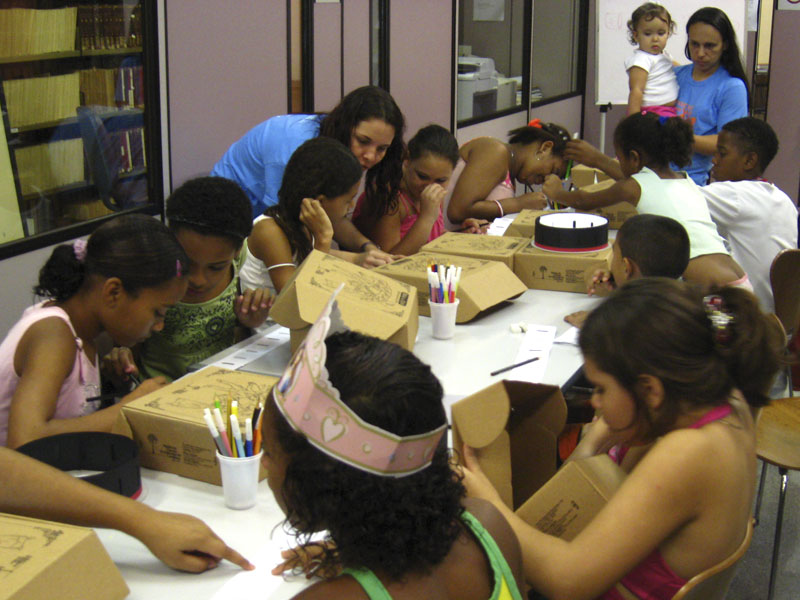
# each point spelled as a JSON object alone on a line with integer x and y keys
{"x": 168, "y": 424}
{"x": 370, "y": 302}
{"x": 565, "y": 504}
{"x": 617, "y": 213}
{"x": 484, "y": 283}
{"x": 515, "y": 426}
{"x": 524, "y": 225}
{"x": 42, "y": 559}
{"x": 559, "y": 271}
{"x": 581, "y": 175}
{"x": 489, "y": 247}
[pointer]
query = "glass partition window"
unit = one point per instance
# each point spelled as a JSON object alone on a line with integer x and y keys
{"x": 514, "y": 53}
{"x": 73, "y": 142}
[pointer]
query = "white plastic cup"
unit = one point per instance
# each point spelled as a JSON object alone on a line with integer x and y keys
{"x": 444, "y": 319}
{"x": 239, "y": 480}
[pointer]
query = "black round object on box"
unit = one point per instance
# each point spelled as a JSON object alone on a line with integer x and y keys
{"x": 115, "y": 455}
{"x": 571, "y": 232}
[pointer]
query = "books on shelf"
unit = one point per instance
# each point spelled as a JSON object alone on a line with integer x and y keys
{"x": 41, "y": 99}
{"x": 26, "y": 31}
{"x": 50, "y": 166}
{"x": 130, "y": 87}
{"x": 109, "y": 26}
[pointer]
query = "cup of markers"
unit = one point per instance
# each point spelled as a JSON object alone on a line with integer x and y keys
{"x": 238, "y": 453}
{"x": 442, "y": 289}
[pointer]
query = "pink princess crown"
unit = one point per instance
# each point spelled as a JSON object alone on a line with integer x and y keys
{"x": 312, "y": 406}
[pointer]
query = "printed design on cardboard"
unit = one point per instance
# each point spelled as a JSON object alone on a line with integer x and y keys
{"x": 476, "y": 243}
{"x": 21, "y": 546}
{"x": 418, "y": 263}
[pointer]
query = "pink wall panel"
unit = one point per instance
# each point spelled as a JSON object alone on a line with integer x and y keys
{"x": 356, "y": 47}
{"x": 226, "y": 66}
{"x": 327, "y": 55}
{"x": 420, "y": 51}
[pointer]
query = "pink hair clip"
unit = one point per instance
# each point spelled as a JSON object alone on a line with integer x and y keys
{"x": 178, "y": 270}
{"x": 79, "y": 249}
{"x": 535, "y": 123}
{"x": 719, "y": 317}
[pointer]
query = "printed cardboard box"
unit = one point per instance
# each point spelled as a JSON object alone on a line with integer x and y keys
{"x": 168, "y": 424}
{"x": 616, "y": 213}
{"x": 559, "y": 271}
{"x": 514, "y": 425}
{"x": 565, "y": 504}
{"x": 524, "y": 225}
{"x": 491, "y": 247}
{"x": 370, "y": 302}
{"x": 42, "y": 559}
{"x": 484, "y": 283}
{"x": 581, "y": 176}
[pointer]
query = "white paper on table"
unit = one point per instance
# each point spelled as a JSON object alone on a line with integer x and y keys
{"x": 570, "y": 336}
{"x": 499, "y": 225}
{"x": 258, "y": 347}
{"x": 537, "y": 343}
{"x": 261, "y": 583}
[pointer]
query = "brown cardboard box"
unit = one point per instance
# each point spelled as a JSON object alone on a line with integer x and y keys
{"x": 370, "y": 302}
{"x": 617, "y": 213}
{"x": 524, "y": 225}
{"x": 42, "y": 559}
{"x": 484, "y": 283}
{"x": 581, "y": 175}
{"x": 491, "y": 247}
{"x": 168, "y": 424}
{"x": 564, "y": 505}
{"x": 514, "y": 425}
{"x": 560, "y": 271}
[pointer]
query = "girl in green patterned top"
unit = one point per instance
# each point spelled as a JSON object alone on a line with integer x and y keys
{"x": 211, "y": 217}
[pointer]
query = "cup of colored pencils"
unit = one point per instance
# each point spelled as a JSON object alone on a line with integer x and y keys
{"x": 442, "y": 289}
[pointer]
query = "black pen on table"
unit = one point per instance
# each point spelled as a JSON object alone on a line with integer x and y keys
{"x": 508, "y": 368}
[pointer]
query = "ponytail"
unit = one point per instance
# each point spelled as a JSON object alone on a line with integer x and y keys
{"x": 658, "y": 140}
{"x": 700, "y": 348}
{"x": 137, "y": 249}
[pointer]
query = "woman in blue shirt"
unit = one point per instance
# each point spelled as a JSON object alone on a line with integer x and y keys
{"x": 713, "y": 89}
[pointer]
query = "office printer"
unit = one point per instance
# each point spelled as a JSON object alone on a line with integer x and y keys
{"x": 476, "y": 86}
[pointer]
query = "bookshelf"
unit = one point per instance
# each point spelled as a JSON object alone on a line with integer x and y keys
{"x": 80, "y": 123}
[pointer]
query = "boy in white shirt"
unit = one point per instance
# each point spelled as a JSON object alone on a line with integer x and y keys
{"x": 756, "y": 218}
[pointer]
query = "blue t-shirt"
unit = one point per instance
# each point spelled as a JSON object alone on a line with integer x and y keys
{"x": 256, "y": 161}
{"x": 708, "y": 105}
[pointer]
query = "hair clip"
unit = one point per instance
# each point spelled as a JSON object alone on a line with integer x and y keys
{"x": 719, "y": 317}
{"x": 662, "y": 119}
{"x": 535, "y": 123}
{"x": 79, "y": 250}
{"x": 178, "y": 269}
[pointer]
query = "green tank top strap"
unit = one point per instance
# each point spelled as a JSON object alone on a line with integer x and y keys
{"x": 371, "y": 584}
{"x": 505, "y": 586}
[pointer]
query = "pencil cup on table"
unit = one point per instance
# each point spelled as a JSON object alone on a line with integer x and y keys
{"x": 442, "y": 288}
{"x": 443, "y": 315}
{"x": 239, "y": 480}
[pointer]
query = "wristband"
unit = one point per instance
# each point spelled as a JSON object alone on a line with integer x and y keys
{"x": 116, "y": 456}
{"x": 365, "y": 244}
{"x": 500, "y": 206}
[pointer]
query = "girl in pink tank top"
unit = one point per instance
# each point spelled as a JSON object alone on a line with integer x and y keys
{"x": 675, "y": 374}
{"x": 120, "y": 282}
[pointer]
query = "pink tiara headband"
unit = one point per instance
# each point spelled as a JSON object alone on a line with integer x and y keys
{"x": 312, "y": 406}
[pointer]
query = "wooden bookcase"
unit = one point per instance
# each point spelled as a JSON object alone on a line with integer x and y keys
{"x": 81, "y": 133}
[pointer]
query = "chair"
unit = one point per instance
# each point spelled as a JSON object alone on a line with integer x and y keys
{"x": 778, "y": 443}
{"x": 713, "y": 583}
{"x": 784, "y": 277}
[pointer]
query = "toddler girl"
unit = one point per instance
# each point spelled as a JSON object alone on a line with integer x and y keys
{"x": 416, "y": 217}
{"x": 682, "y": 372}
{"x": 645, "y": 145}
{"x": 121, "y": 282}
{"x": 355, "y": 448}
{"x": 318, "y": 186}
{"x": 651, "y": 79}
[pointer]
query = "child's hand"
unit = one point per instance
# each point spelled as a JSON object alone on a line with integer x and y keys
{"x": 552, "y": 186}
{"x": 475, "y": 480}
{"x": 471, "y": 225}
{"x": 252, "y": 307}
{"x": 577, "y": 319}
{"x": 305, "y": 559}
{"x": 375, "y": 257}
{"x": 533, "y": 200}
{"x": 431, "y": 200}
{"x": 119, "y": 364}
{"x": 583, "y": 152}
{"x": 601, "y": 283}
{"x": 313, "y": 216}
{"x": 144, "y": 388}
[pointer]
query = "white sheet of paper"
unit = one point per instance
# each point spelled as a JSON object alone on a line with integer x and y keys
{"x": 258, "y": 347}
{"x": 537, "y": 343}
{"x": 500, "y": 224}
{"x": 570, "y": 336}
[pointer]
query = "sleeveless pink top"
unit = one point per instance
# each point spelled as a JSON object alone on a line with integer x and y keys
{"x": 412, "y": 215}
{"x": 653, "y": 579}
{"x": 82, "y": 382}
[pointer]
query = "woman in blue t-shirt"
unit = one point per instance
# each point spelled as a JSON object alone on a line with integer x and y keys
{"x": 713, "y": 89}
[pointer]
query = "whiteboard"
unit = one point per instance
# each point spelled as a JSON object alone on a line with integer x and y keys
{"x": 613, "y": 46}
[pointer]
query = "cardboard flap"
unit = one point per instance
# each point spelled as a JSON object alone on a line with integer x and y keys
{"x": 544, "y": 402}
{"x": 481, "y": 417}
